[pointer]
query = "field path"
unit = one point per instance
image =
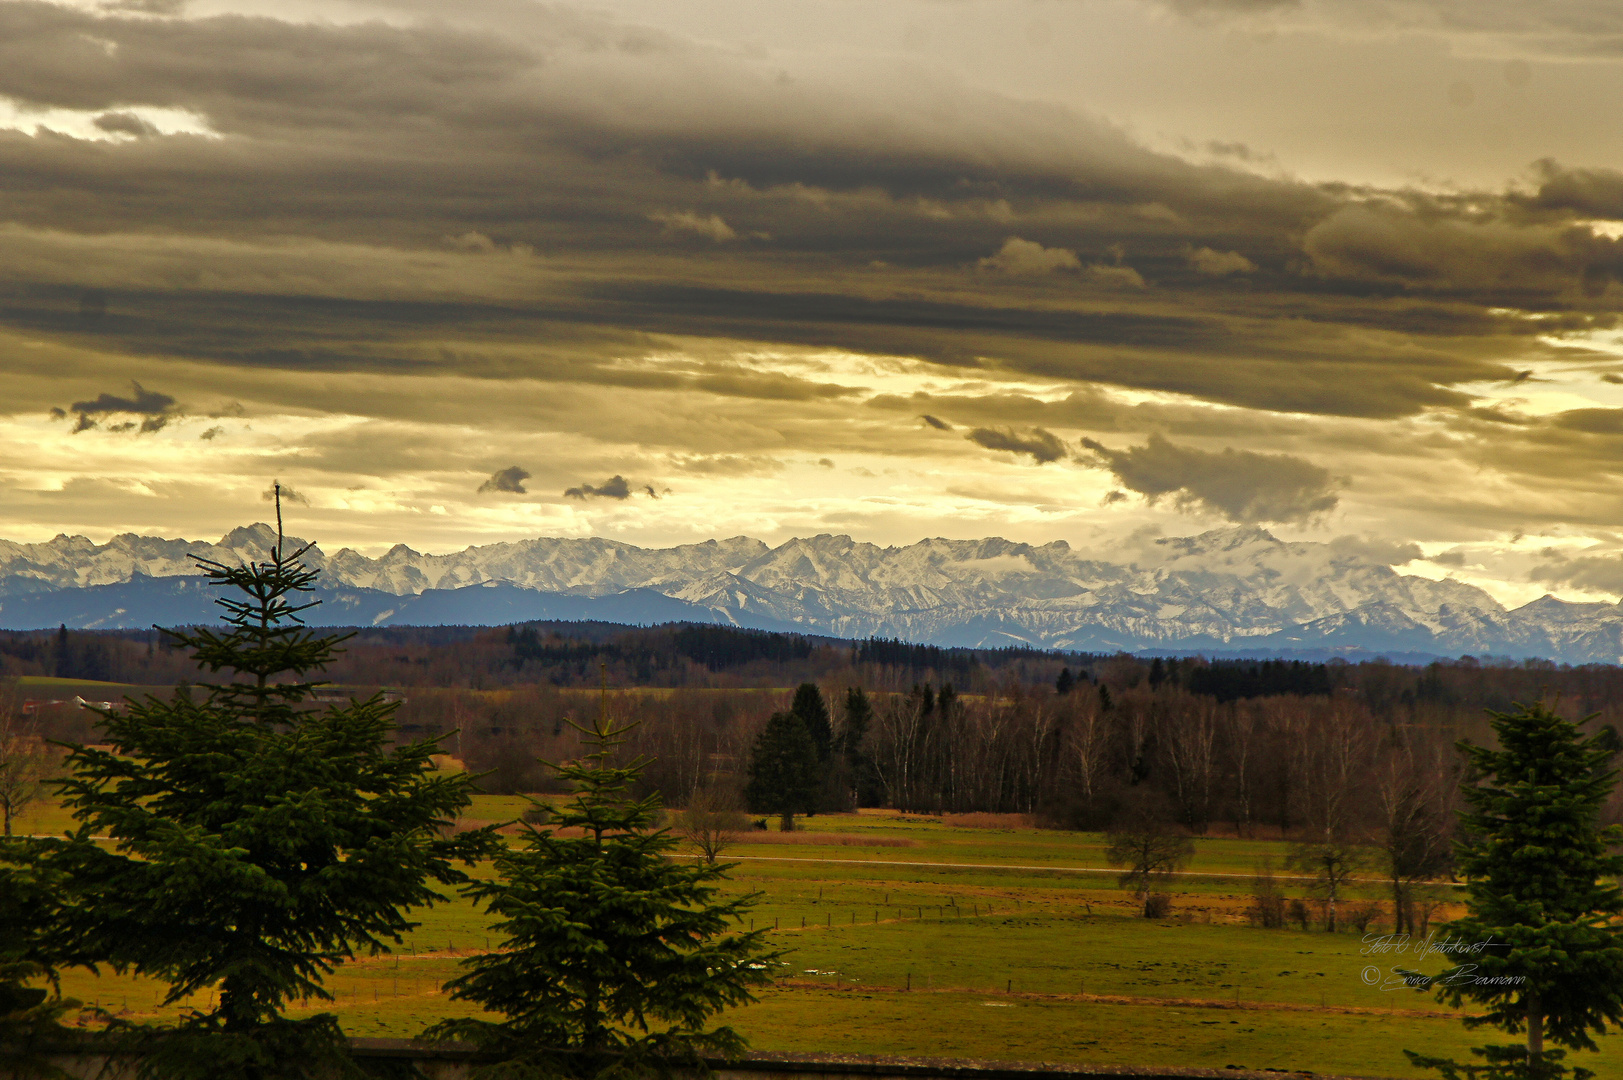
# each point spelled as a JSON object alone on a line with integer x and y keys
{"x": 1130, "y": 999}
{"x": 1018, "y": 866}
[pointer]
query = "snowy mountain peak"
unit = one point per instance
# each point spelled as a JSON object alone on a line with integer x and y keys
{"x": 1222, "y": 589}
{"x": 1218, "y": 541}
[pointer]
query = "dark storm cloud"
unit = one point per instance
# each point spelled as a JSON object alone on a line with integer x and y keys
{"x": 510, "y": 479}
{"x": 141, "y": 401}
{"x": 124, "y": 123}
{"x": 615, "y": 487}
{"x": 859, "y": 215}
{"x": 1589, "y": 192}
{"x": 1238, "y": 484}
{"x": 1043, "y": 446}
{"x": 155, "y": 409}
{"x": 1400, "y": 245}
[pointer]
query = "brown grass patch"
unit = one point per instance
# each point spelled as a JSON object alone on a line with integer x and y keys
{"x": 990, "y": 821}
{"x": 822, "y": 838}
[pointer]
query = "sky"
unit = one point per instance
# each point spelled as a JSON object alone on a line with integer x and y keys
{"x": 1081, "y": 270}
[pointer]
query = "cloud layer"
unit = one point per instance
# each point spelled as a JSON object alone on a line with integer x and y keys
{"x": 866, "y": 272}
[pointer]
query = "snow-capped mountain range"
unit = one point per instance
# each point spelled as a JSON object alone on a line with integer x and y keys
{"x": 1238, "y": 589}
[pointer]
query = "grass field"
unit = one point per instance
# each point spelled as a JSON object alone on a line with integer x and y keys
{"x": 978, "y": 942}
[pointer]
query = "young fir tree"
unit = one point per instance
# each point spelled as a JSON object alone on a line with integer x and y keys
{"x": 786, "y": 777}
{"x": 614, "y": 956}
{"x": 254, "y": 841}
{"x": 1541, "y": 874}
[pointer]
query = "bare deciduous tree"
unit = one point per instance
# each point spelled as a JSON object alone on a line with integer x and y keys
{"x": 1087, "y": 744}
{"x": 1415, "y": 787}
{"x": 1335, "y": 759}
{"x": 1149, "y": 848}
{"x": 1190, "y": 732}
{"x": 1240, "y": 725}
{"x": 899, "y": 736}
{"x": 1333, "y": 863}
{"x": 712, "y": 820}
{"x": 25, "y": 765}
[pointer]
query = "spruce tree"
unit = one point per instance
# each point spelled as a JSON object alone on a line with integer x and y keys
{"x": 1540, "y": 876}
{"x": 858, "y": 719}
{"x": 785, "y": 775}
{"x": 861, "y": 776}
{"x": 254, "y": 841}
{"x": 813, "y": 712}
{"x": 614, "y": 956}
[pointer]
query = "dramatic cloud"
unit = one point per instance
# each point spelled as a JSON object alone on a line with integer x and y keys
{"x": 1043, "y": 446}
{"x": 744, "y": 251}
{"x": 510, "y": 479}
{"x": 615, "y": 487}
{"x": 1240, "y": 485}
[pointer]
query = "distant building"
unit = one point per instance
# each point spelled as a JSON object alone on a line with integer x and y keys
{"x": 337, "y": 695}
{"x": 32, "y": 706}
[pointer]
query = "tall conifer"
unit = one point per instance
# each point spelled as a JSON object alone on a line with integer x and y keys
{"x": 786, "y": 777}
{"x": 812, "y": 709}
{"x": 1541, "y": 874}
{"x": 253, "y": 842}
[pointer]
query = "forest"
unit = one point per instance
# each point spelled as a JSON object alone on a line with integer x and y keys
{"x": 1254, "y": 747}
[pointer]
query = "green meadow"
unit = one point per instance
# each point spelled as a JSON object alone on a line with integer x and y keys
{"x": 915, "y": 936}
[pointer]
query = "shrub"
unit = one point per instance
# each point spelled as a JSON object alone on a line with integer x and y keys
{"x": 1267, "y": 908}
{"x": 1361, "y": 915}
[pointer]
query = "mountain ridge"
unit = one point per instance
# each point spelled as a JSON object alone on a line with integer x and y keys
{"x": 1225, "y": 589}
